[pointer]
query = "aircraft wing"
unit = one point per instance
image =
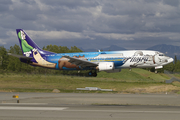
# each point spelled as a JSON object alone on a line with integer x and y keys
{"x": 81, "y": 62}
{"x": 20, "y": 56}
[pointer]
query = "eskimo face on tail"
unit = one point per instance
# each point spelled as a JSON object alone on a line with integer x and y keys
{"x": 26, "y": 48}
{"x": 30, "y": 49}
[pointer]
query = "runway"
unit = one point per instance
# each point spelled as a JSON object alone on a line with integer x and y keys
{"x": 88, "y": 112}
{"x": 77, "y": 106}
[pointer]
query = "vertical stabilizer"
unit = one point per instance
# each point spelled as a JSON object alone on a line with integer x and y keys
{"x": 28, "y": 46}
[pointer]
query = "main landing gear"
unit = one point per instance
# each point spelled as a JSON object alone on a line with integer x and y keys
{"x": 93, "y": 74}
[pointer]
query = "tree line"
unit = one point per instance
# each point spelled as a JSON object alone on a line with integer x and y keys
{"x": 12, "y": 64}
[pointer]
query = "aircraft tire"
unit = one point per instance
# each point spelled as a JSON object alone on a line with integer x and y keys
{"x": 94, "y": 74}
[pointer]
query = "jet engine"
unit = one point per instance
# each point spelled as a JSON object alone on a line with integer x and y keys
{"x": 103, "y": 66}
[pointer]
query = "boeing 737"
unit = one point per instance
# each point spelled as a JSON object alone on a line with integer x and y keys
{"x": 109, "y": 61}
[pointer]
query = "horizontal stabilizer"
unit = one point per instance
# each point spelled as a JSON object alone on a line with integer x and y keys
{"x": 21, "y": 56}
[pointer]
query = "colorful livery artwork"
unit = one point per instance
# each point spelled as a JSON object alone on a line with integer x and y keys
{"x": 109, "y": 61}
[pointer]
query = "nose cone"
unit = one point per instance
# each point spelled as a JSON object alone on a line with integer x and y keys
{"x": 170, "y": 60}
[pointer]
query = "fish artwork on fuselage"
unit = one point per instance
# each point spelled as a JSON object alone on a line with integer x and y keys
{"x": 109, "y": 61}
{"x": 63, "y": 62}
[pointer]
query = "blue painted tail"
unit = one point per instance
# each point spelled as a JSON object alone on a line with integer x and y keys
{"x": 28, "y": 45}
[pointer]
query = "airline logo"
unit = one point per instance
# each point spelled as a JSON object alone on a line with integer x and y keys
{"x": 139, "y": 59}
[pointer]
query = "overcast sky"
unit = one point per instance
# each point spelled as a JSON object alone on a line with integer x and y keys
{"x": 132, "y": 24}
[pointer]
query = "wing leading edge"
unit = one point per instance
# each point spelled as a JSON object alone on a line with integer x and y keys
{"x": 81, "y": 62}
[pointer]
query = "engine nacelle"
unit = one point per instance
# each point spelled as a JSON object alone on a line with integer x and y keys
{"x": 106, "y": 66}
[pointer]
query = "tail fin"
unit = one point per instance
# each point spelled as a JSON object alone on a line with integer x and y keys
{"x": 28, "y": 45}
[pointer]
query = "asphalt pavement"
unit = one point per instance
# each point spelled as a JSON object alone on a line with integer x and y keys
{"x": 78, "y": 106}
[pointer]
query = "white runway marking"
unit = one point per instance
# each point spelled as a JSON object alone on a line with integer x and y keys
{"x": 32, "y": 108}
{"x": 125, "y": 111}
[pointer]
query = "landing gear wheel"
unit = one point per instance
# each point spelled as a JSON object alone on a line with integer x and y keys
{"x": 93, "y": 74}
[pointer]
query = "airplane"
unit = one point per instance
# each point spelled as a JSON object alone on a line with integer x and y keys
{"x": 109, "y": 61}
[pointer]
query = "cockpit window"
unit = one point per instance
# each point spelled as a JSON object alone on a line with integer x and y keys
{"x": 161, "y": 55}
